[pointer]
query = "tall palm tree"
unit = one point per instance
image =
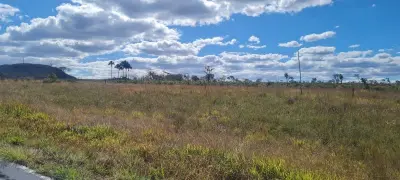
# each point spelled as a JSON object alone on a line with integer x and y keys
{"x": 287, "y": 78}
{"x": 341, "y": 78}
{"x": 125, "y": 65}
{"x": 121, "y": 68}
{"x": 336, "y": 78}
{"x": 111, "y": 64}
{"x": 128, "y": 67}
{"x": 118, "y": 66}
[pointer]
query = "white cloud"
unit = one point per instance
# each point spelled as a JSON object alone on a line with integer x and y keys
{"x": 194, "y": 12}
{"x": 337, "y": 27}
{"x": 82, "y": 30}
{"x": 254, "y": 39}
{"x": 354, "y": 54}
{"x": 143, "y": 29}
{"x": 6, "y": 11}
{"x": 290, "y": 44}
{"x": 248, "y": 57}
{"x": 174, "y": 47}
{"x": 258, "y": 7}
{"x": 385, "y": 50}
{"x": 354, "y": 46}
{"x": 383, "y": 55}
{"x": 317, "y": 37}
{"x": 93, "y": 27}
{"x": 373, "y": 5}
{"x": 255, "y": 47}
{"x": 254, "y": 43}
{"x": 85, "y": 22}
{"x": 318, "y": 50}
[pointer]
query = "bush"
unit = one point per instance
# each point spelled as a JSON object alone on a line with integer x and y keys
{"x": 52, "y": 78}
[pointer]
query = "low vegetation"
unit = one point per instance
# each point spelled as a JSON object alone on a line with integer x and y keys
{"x": 87, "y": 130}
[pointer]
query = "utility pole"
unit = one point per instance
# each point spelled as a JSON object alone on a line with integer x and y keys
{"x": 301, "y": 84}
{"x": 23, "y": 60}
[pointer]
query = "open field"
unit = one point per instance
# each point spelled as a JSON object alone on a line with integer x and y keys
{"x": 90, "y": 130}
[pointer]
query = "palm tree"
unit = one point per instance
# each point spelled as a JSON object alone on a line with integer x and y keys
{"x": 119, "y": 67}
{"x": 287, "y": 79}
{"x": 313, "y": 80}
{"x": 128, "y": 67}
{"x": 125, "y": 65}
{"x": 208, "y": 70}
{"x": 111, "y": 64}
{"x": 341, "y": 78}
{"x": 336, "y": 78}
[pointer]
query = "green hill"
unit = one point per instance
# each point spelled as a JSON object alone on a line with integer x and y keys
{"x": 35, "y": 71}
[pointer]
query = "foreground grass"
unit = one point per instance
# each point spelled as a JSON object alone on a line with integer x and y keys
{"x": 96, "y": 131}
{"x": 63, "y": 152}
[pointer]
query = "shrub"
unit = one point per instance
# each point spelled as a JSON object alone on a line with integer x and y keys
{"x": 52, "y": 78}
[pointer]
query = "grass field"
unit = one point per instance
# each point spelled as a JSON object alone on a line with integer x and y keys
{"x": 90, "y": 130}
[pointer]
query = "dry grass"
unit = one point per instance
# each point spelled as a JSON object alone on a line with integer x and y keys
{"x": 121, "y": 131}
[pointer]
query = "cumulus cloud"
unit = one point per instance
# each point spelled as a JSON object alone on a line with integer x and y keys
{"x": 354, "y": 46}
{"x": 317, "y": 37}
{"x": 248, "y": 57}
{"x": 145, "y": 31}
{"x": 85, "y": 22}
{"x": 174, "y": 47}
{"x": 255, "y": 47}
{"x": 93, "y": 27}
{"x": 254, "y": 39}
{"x": 194, "y": 12}
{"x": 7, "y": 11}
{"x": 254, "y": 43}
{"x": 318, "y": 50}
{"x": 290, "y": 44}
{"x": 382, "y": 55}
{"x": 172, "y": 12}
{"x": 81, "y": 30}
{"x": 258, "y": 7}
{"x": 354, "y": 54}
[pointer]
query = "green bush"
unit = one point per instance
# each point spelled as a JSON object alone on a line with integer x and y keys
{"x": 52, "y": 78}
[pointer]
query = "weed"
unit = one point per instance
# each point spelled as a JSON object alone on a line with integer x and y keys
{"x": 16, "y": 140}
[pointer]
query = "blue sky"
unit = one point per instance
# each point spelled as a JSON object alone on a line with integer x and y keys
{"x": 251, "y": 39}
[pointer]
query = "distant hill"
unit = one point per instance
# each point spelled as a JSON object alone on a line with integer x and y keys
{"x": 35, "y": 71}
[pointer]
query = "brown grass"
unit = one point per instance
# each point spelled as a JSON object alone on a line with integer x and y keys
{"x": 325, "y": 132}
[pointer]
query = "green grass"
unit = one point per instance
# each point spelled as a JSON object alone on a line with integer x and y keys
{"x": 91, "y": 131}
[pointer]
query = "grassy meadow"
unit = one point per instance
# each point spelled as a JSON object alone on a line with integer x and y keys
{"x": 88, "y": 130}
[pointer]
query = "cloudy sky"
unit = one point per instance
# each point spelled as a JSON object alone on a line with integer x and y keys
{"x": 247, "y": 39}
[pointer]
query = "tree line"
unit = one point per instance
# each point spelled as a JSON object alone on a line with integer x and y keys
{"x": 123, "y": 68}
